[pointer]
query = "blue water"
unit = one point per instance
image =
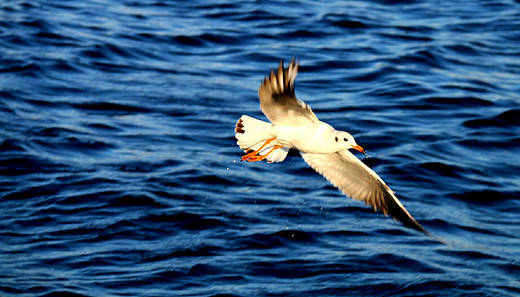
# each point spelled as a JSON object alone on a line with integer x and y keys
{"x": 120, "y": 174}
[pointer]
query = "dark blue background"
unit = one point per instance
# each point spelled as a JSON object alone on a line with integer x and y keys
{"x": 120, "y": 175}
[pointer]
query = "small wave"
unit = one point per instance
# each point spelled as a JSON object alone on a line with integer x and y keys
{"x": 442, "y": 169}
{"x": 485, "y": 196}
{"x": 185, "y": 221}
{"x": 188, "y": 40}
{"x": 26, "y": 164}
{"x": 68, "y": 293}
{"x": 31, "y": 69}
{"x": 199, "y": 251}
{"x": 11, "y": 145}
{"x": 459, "y": 102}
{"x": 110, "y": 107}
{"x": 509, "y": 118}
{"x": 349, "y": 24}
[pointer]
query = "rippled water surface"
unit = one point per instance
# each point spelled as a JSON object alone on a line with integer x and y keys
{"x": 120, "y": 174}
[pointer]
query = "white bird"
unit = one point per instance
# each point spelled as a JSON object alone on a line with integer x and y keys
{"x": 295, "y": 126}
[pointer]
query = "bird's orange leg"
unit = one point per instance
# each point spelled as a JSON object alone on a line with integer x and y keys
{"x": 260, "y": 158}
{"x": 255, "y": 153}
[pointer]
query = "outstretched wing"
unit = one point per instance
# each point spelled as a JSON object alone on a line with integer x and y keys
{"x": 278, "y": 101}
{"x": 358, "y": 181}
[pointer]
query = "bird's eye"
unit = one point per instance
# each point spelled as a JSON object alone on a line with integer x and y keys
{"x": 336, "y": 139}
{"x": 344, "y": 139}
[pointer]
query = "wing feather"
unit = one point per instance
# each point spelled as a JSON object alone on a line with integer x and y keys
{"x": 358, "y": 181}
{"x": 278, "y": 100}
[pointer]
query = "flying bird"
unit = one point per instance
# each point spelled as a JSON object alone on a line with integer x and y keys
{"x": 293, "y": 125}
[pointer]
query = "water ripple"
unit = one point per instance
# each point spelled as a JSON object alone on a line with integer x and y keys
{"x": 120, "y": 174}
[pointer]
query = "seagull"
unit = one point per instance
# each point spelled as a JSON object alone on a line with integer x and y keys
{"x": 293, "y": 125}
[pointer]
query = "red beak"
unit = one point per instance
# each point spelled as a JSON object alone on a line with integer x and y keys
{"x": 359, "y": 148}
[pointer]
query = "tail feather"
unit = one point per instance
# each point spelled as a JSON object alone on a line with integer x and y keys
{"x": 251, "y": 134}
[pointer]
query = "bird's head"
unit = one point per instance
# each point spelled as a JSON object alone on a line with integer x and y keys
{"x": 346, "y": 141}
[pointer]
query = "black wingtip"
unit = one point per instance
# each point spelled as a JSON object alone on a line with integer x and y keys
{"x": 398, "y": 213}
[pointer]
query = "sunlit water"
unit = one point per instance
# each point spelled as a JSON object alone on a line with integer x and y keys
{"x": 120, "y": 175}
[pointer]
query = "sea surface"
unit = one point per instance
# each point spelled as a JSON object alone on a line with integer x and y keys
{"x": 120, "y": 174}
